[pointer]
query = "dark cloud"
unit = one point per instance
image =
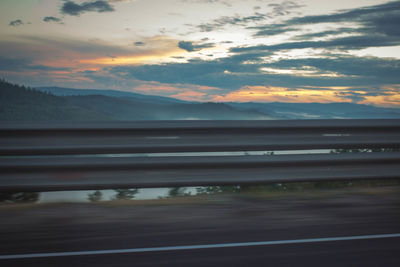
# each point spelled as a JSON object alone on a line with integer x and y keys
{"x": 227, "y": 20}
{"x": 357, "y": 69}
{"x": 16, "y": 23}
{"x": 39, "y": 49}
{"x": 353, "y": 96}
{"x": 199, "y": 72}
{"x": 226, "y": 3}
{"x": 23, "y": 64}
{"x": 272, "y": 29}
{"x": 139, "y": 43}
{"x": 387, "y": 24}
{"x": 52, "y": 19}
{"x": 12, "y": 64}
{"x": 232, "y": 72}
{"x": 379, "y": 19}
{"x": 226, "y": 73}
{"x": 284, "y": 8}
{"x": 308, "y": 36}
{"x": 73, "y": 9}
{"x": 378, "y": 28}
{"x": 357, "y": 97}
{"x": 344, "y": 43}
{"x": 374, "y": 20}
{"x": 190, "y": 47}
{"x": 359, "y": 14}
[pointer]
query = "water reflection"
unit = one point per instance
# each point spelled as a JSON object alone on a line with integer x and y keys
{"x": 273, "y": 189}
{"x": 19, "y": 197}
{"x": 179, "y": 192}
{"x": 125, "y": 194}
{"x": 102, "y": 195}
{"x": 95, "y": 196}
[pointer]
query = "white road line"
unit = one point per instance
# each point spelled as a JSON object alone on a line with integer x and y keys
{"x": 171, "y": 248}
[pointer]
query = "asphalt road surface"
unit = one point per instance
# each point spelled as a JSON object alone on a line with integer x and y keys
{"x": 297, "y": 230}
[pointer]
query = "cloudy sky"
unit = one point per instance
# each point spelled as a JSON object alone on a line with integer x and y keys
{"x": 208, "y": 50}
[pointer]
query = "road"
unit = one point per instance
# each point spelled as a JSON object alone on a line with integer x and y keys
{"x": 205, "y": 220}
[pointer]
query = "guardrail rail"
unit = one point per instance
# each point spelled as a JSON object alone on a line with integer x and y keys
{"x": 66, "y": 156}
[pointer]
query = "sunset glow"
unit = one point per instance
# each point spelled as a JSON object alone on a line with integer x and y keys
{"x": 278, "y": 94}
{"x": 260, "y": 51}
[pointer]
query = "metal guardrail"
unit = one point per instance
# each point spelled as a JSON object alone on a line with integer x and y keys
{"x": 22, "y": 143}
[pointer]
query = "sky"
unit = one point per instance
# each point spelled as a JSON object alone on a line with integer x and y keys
{"x": 208, "y": 50}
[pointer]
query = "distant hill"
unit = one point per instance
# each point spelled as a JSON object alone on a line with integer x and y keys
{"x": 60, "y": 91}
{"x": 55, "y": 103}
{"x": 273, "y": 110}
{"x": 134, "y": 109}
{"x": 215, "y": 111}
{"x": 319, "y": 110}
{"x": 21, "y": 103}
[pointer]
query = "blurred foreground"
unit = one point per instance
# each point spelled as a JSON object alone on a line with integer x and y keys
{"x": 215, "y": 215}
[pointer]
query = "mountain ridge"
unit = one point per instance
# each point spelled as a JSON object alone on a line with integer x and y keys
{"x": 63, "y": 91}
{"x": 21, "y": 103}
{"x": 59, "y": 103}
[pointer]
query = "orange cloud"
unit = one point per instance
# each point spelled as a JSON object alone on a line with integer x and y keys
{"x": 173, "y": 90}
{"x": 156, "y": 88}
{"x": 158, "y": 49}
{"x": 81, "y": 55}
{"x": 147, "y": 57}
{"x": 390, "y": 97}
{"x": 280, "y": 94}
{"x": 191, "y": 96}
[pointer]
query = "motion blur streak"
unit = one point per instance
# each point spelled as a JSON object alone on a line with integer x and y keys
{"x": 226, "y": 245}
